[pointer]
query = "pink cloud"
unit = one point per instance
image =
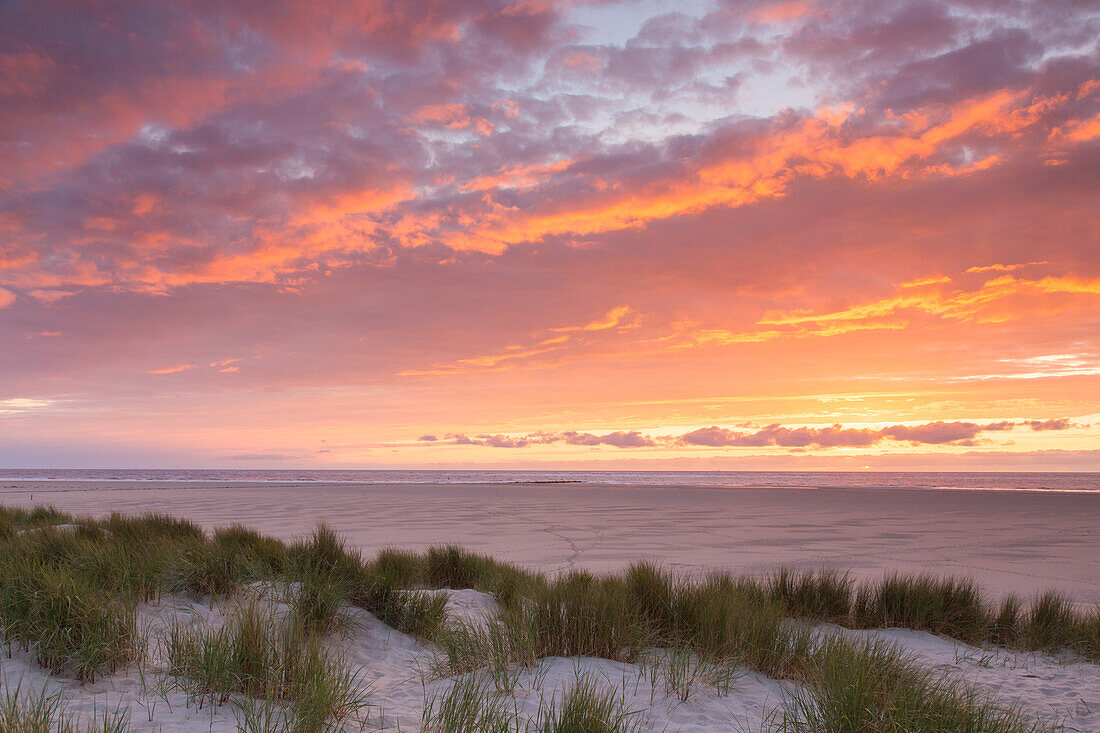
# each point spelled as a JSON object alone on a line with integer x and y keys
{"x": 375, "y": 197}
{"x": 958, "y": 433}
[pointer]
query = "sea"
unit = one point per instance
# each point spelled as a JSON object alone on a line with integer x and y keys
{"x": 1000, "y": 481}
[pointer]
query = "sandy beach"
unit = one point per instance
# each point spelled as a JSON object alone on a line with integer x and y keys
{"x": 1018, "y": 542}
{"x": 552, "y": 528}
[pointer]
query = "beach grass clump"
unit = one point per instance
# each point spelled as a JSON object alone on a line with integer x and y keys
{"x": 317, "y": 597}
{"x": 500, "y": 648}
{"x": 149, "y": 528}
{"x": 399, "y": 568}
{"x": 409, "y": 611}
{"x": 587, "y": 707}
{"x": 70, "y": 624}
{"x": 267, "y": 553}
{"x": 450, "y": 566}
{"x": 1050, "y": 622}
{"x": 43, "y": 712}
{"x": 950, "y": 606}
{"x": 325, "y": 552}
{"x": 14, "y": 520}
{"x": 1087, "y": 641}
{"x": 46, "y": 515}
{"x": 205, "y": 569}
{"x": 577, "y": 614}
{"x": 872, "y": 687}
{"x": 326, "y": 575}
{"x": 618, "y": 618}
{"x": 580, "y": 614}
{"x": 719, "y": 618}
{"x": 256, "y": 654}
{"x": 471, "y": 705}
{"x": 1005, "y": 629}
{"x": 825, "y": 595}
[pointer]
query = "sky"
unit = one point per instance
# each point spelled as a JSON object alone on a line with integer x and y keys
{"x": 751, "y": 234}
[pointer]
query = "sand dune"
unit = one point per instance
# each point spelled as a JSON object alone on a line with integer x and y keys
{"x": 395, "y": 664}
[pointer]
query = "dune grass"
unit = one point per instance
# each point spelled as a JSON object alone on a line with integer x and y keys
{"x": 873, "y": 687}
{"x": 42, "y": 712}
{"x": 260, "y": 656}
{"x": 719, "y": 624}
{"x": 473, "y": 705}
{"x": 619, "y": 617}
{"x": 69, "y": 622}
{"x": 586, "y": 707}
{"x": 450, "y": 566}
{"x": 470, "y": 706}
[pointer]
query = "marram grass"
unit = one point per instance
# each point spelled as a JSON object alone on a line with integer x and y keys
{"x": 257, "y": 655}
{"x": 42, "y": 712}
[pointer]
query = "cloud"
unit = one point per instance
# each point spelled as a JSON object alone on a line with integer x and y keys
{"x": 1061, "y": 423}
{"x": 1003, "y": 268}
{"x": 934, "y": 433}
{"x": 359, "y": 199}
{"x": 23, "y": 405}
{"x": 554, "y": 342}
{"x": 618, "y": 438}
{"x": 172, "y": 369}
{"x": 939, "y": 432}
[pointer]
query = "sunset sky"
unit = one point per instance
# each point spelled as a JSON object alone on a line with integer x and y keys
{"x": 643, "y": 234}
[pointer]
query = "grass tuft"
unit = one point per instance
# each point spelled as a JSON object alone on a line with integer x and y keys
{"x": 70, "y": 624}
{"x": 822, "y": 596}
{"x": 261, "y": 656}
{"x": 949, "y": 606}
{"x": 587, "y": 707}
{"x": 42, "y": 712}
{"x": 872, "y": 687}
{"x": 208, "y": 570}
{"x": 470, "y": 706}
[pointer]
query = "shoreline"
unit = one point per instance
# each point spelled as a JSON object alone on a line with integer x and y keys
{"x": 16, "y": 483}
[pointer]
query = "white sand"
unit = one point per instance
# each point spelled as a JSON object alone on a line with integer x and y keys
{"x": 395, "y": 664}
{"x": 1020, "y": 542}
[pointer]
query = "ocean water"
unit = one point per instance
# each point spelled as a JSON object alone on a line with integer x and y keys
{"x": 1004, "y": 481}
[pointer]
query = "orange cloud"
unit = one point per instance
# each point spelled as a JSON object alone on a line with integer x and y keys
{"x": 985, "y": 305}
{"x": 1003, "y": 268}
{"x": 524, "y": 176}
{"x": 762, "y": 167}
{"x": 925, "y": 281}
{"x": 450, "y": 116}
{"x": 994, "y": 301}
{"x": 172, "y": 369}
{"x": 611, "y": 319}
{"x": 515, "y": 353}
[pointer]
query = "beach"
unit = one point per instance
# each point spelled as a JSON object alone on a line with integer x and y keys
{"x": 1020, "y": 542}
{"x": 407, "y": 671}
